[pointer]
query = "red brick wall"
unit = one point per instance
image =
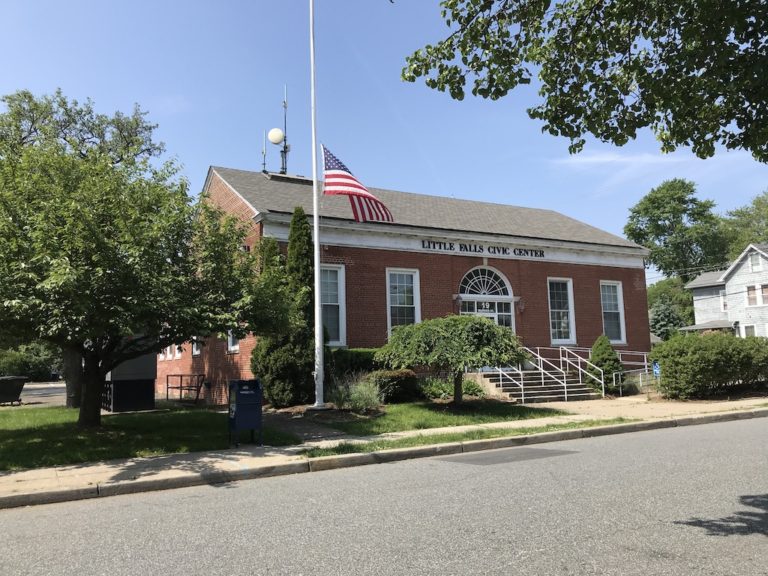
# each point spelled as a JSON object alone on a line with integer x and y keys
{"x": 440, "y": 275}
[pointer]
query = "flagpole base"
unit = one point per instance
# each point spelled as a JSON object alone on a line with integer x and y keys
{"x": 318, "y": 407}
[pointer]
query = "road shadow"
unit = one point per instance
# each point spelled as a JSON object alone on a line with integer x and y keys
{"x": 741, "y": 523}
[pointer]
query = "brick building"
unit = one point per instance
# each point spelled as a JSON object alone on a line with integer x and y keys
{"x": 554, "y": 280}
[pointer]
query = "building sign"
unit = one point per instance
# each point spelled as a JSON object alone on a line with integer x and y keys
{"x": 475, "y": 249}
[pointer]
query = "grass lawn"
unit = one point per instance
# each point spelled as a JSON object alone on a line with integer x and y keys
{"x": 424, "y": 439}
{"x": 40, "y": 437}
{"x": 421, "y": 415}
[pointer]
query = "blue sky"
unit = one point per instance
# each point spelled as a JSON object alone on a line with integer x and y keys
{"x": 212, "y": 76}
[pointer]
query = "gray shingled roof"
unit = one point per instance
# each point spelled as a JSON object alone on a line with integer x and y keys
{"x": 282, "y": 194}
{"x": 706, "y": 279}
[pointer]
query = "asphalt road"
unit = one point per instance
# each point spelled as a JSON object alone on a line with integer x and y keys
{"x": 686, "y": 501}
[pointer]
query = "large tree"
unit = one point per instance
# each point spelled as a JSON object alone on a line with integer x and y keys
{"x": 672, "y": 290}
{"x": 747, "y": 225}
{"x": 691, "y": 70}
{"x": 683, "y": 234}
{"x": 102, "y": 252}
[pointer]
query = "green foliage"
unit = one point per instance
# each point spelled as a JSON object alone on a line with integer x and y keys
{"x": 682, "y": 233}
{"x": 36, "y": 360}
{"x": 697, "y": 366}
{"x": 453, "y": 344}
{"x": 364, "y": 397}
{"x": 609, "y": 68}
{"x": 605, "y": 357}
{"x": 285, "y": 360}
{"x": 664, "y": 319}
{"x": 442, "y": 389}
{"x": 101, "y": 249}
{"x": 396, "y": 386}
{"x": 747, "y": 225}
{"x": 352, "y": 360}
{"x": 671, "y": 289}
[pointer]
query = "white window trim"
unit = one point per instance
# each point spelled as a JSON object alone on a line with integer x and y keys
{"x": 196, "y": 346}
{"x": 342, "y": 290}
{"x": 723, "y": 301}
{"x": 744, "y": 327}
{"x": 758, "y": 293}
{"x": 177, "y": 351}
{"x": 232, "y": 349}
{"x": 161, "y": 354}
{"x": 571, "y": 313}
{"x": 620, "y": 296}
{"x": 759, "y": 266}
{"x": 416, "y": 295}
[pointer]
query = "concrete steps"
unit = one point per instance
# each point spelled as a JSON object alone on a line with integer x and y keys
{"x": 540, "y": 387}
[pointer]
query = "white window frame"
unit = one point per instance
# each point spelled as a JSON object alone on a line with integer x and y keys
{"x": 161, "y": 354}
{"x": 744, "y": 327}
{"x": 232, "y": 348}
{"x": 416, "y": 295}
{"x": 759, "y": 301}
{"x": 342, "y": 291}
{"x": 723, "y": 301}
{"x": 196, "y": 346}
{"x": 620, "y": 296}
{"x": 752, "y": 266}
{"x": 571, "y": 313}
{"x": 169, "y": 352}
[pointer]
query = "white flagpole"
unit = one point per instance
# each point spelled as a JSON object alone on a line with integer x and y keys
{"x": 319, "y": 403}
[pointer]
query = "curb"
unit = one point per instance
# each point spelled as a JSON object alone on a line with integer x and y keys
{"x": 323, "y": 463}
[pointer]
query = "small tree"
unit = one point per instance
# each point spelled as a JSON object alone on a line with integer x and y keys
{"x": 604, "y": 356}
{"x": 285, "y": 361}
{"x": 452, "y": 344}
{"x": 664, "y": 319}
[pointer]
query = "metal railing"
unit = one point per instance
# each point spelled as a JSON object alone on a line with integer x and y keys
{"x": 503, "y": 374}
{"x": 639, "y": 372}
{"x": 626, "y": 357}
{"x": 565, "y": 354}
{"x": 544, "y": 371}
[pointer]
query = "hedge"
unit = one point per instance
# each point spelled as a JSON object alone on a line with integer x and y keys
{"x": 352, "y": 360}
{"x": 697, "y": 366}
{"x": 396, "y": 385}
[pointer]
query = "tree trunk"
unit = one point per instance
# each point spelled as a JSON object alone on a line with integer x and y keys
{"x": 458, "y": 392}
{"x": 93, "y": 384}
{"x": 73, "y": 376}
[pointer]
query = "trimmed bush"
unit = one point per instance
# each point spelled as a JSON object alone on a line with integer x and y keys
{"x": 441, "y": 389}
{"x": 364, "y": 397}
{"x": 396, "y": 385}
{"x": 698, "y": 366}
{"x": 604, "y": 356}
{"x": 352, "y": 360}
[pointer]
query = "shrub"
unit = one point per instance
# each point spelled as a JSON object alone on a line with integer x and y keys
{"x": 352, "y": 360}
{"x": 396, "y": 385}
{"x": 364, "y": 396}
{"x": 36, "y": 361}
{"x": 604, "y": 356}
{"x": 441, "y": 389}
{"x": 697, "y": 366}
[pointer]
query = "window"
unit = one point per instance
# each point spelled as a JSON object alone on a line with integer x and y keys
{"x": 613, "y": 311}
{"x": 333, "y": 301}
{"x": 723, "y": 302}
{"x": 751, "y": 295}
{"x": 169, "y": 353}
{"x": 403, "y": 297}
{"x": 561, "y": 322}
{"x": 196, "y": 346}
{"x": 233, "y": 343}
{"x": 161, "y": 354}
{"x": 755, "y": 262}
{"x": 178, "y": 350}
{"x": 747, "y": 331}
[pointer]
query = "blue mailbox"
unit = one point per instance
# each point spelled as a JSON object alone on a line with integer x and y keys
{"x": 245, "y": 408}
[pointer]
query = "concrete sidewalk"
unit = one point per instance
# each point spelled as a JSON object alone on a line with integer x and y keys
{"x": 47, "y": 485}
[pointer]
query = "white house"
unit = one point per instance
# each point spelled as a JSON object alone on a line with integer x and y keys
{"x": 734, "y": 299}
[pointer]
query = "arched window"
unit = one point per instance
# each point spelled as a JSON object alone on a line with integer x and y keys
{"x": 483, "y": 282}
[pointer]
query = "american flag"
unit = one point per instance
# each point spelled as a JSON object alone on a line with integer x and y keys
{"x": 339, "y": 181}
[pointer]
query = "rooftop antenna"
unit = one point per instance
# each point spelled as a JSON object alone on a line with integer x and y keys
{"x": 277, "y": 136}
{"x": 264, "y": 154}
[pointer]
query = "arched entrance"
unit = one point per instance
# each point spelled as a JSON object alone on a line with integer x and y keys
{"x": 485, "y": 292}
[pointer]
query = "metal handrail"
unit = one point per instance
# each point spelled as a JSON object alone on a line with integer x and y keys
{"x": 640, "y": 372}
{"x": 502, "y": 374}
{"x": 547, "y": 372}
{"x": 581, "y": 370}
{"x": 625, "y": 356}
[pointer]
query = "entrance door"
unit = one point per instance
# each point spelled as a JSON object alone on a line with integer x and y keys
{"x": 498, "y": 312}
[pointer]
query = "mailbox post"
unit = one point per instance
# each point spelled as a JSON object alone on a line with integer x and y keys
{"x": 245, "y": 409}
